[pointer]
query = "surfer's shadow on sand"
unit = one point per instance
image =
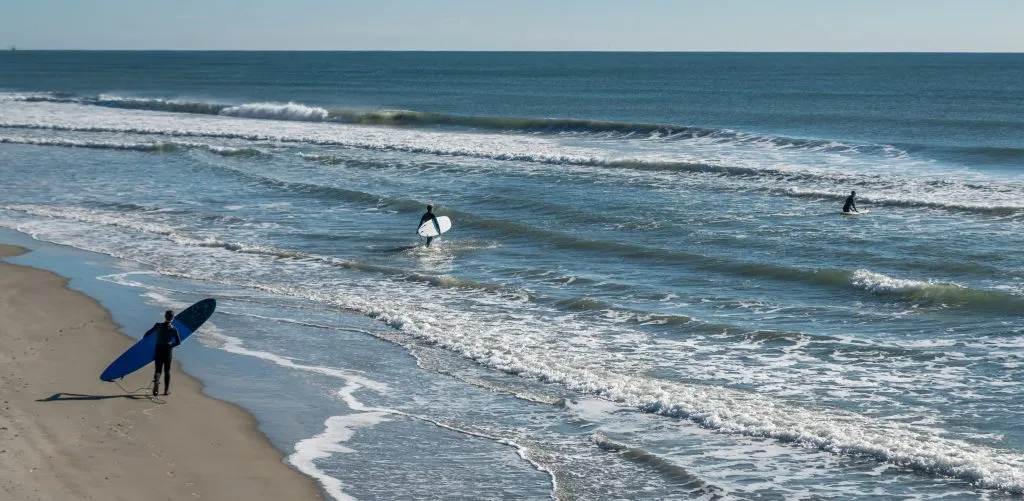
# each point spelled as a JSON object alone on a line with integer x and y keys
{"x": 70, "y": 397}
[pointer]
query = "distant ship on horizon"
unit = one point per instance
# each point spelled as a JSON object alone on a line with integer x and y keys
{"x": 13, "y": 48}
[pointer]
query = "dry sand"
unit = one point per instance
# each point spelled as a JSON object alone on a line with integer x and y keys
{"x": 65, "y": 435}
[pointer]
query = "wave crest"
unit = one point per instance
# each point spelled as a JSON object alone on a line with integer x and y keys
{"x": 937, "y": 293}
{"x": 272, "y": 111}
{"x": 169, "y": 105}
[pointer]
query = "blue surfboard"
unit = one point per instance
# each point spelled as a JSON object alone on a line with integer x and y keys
{"x": 144, "y": 351}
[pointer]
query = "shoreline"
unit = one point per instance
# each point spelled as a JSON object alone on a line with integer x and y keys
{"x": 67, "y": 435}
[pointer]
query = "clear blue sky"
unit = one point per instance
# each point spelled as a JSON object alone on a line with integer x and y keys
{"x": 669, "y": 25}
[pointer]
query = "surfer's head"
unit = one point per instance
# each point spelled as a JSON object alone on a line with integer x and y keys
{"x": 168, "y": 315}
{"x": 430, "y": 208}
{"x": 852, "y": 193}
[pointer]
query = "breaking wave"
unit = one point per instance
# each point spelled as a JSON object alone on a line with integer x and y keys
{"x": 938, "y": 293}
{"x": 147, "y": 146}
{"x": 409, "y": 118}
{"x": 922, "y": 292}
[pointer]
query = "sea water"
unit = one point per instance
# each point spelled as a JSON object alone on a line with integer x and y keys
{"x": 648, "y": 291}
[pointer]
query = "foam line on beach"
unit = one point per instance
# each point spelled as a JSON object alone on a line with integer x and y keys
{"x": 337, "y": 431}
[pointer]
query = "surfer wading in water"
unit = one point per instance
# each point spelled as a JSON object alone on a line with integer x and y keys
{"x": 850, "y": 206}
{"x": 165, "y": 334}
{"x": 428, "y": 216}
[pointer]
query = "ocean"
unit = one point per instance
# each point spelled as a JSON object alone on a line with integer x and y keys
{"x": 649, "y": 291}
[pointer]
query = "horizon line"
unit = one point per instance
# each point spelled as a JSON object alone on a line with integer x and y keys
{"x": 15, "y": 48}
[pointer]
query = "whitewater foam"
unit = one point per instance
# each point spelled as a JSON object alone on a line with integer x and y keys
{"x": 812, "y": 172}
{"x": 149, "y": 146}
{"x": 337, "y": 431}
{"x": 275, "y": 111}
{"x": 877, "y": 282}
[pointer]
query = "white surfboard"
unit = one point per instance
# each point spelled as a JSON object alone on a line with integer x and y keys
{"x": 851, "y": 213}
{"x": 427, "y": 229}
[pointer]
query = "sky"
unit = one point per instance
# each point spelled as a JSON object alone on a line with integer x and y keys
{"x": 601, "y": 25}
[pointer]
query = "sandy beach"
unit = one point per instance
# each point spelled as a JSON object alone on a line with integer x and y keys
{"x": 65, "y": 435}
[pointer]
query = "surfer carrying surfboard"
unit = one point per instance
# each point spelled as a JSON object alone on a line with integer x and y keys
{"x": 429, "y": 216}
{"x": 165, "y": 334}
{"x": 850, "y": 206}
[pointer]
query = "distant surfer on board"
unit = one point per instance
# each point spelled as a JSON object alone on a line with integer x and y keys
{"x": 428, "y": 216}
{"x": 850, "y": 206}
{"x": 165, "y": 334}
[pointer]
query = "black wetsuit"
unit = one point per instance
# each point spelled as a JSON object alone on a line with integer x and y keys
{"x": 165, "y": 334}
{"x": 849, "y": 206}
{"x": 427, "y": 216}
